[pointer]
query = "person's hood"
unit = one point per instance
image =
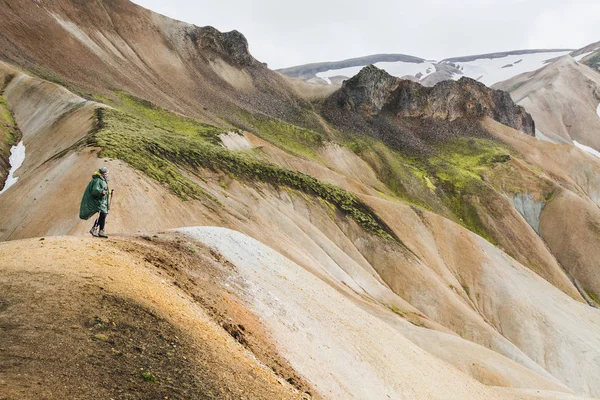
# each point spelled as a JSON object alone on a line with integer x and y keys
{"x": 97, "y": 175}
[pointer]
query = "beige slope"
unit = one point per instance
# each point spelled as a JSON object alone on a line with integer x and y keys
{"x": 437, "y": 293}
{"x": 503, "y": 293}
{"x": 483, "y": 364}
{"x": 367, "y": 359}
{"x": 427, "y": 292}
{"x": 562, "y": 98}
{"x": 504, "y": 223}
{"x": 569, "y": 166}
{"x": 341, "y": 167}
{"x": 570, "y": 218}
{"x": 532, "y": 394}
{"x": 352, "y": 366}
{"x": 571, "y": 227}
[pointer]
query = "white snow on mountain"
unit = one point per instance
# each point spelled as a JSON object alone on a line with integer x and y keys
{"x": 494, "y": 70}
{"x": 17, "y": 156}
{"x": 582, "y": 56}
{"x": 485, "y": 70}
{"x": 587, "y": 149}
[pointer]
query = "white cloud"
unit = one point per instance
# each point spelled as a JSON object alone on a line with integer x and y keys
{"x": 569, "y": 24}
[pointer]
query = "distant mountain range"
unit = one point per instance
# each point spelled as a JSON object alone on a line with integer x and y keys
{"x": 488, "y": 68}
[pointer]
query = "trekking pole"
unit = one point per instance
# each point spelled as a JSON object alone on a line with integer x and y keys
{"x": 112, "y": 193}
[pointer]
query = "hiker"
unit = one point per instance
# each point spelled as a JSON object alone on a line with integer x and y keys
{"x": 95, "y": 200}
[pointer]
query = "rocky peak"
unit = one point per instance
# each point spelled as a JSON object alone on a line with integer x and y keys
{"x": 373, "y": 91}
{"x": 368, "y": 91}
{"x": 231, "y": 46}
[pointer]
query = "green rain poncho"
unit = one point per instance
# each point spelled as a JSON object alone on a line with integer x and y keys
{"x": 93, "y": 200}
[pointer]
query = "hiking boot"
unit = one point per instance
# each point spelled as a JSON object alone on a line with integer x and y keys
{"x": 102, "y": 234}
{"x": 94, "y": 231}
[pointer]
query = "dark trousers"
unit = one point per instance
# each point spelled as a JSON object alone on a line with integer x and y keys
{"x": 101, "y": 220}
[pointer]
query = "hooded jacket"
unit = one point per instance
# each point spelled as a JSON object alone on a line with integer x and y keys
{"x": 93, "y": 200}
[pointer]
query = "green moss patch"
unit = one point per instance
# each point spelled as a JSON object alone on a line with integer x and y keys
{"x": 166, "y": 120}
{"x": 411, "y": 317}
{"x": 149, "y": 377}
{"x": 9, "y": 133}
{"x": 459, "y": 168}
{"x": 462, "y": 160}
{"x": 143, "y": 145}
{"x": 291, "y": 138}
{"x": 406, "y": 178}
{"x": 447, "y": 182}
{"x": 6, "y": 117}
{"x": 7, "y": 79}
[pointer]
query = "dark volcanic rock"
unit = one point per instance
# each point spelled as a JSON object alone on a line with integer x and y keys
{"x": 368, "y": 91}
{"x": 231, "y": 46}
{"x": 406, "y": 114}
{"x": 451, "y": 100}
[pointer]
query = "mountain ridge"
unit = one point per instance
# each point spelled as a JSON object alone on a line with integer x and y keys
{"x": 435, "y": 70}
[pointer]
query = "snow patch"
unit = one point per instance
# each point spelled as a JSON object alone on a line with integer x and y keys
{"x": 587, "y": 149}
{"x": 582, "y": 56}
{"x": 17, "y": 156}
{"x": 529, "y": 209}
{"x": 486, "y": 70}
{"x": 579, "y": 57}
{"x": 490, "y": 70}
{"x": 235, "y": 141}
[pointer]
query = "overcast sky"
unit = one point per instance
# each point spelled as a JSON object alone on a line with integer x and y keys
{"x": 284, "y": 34}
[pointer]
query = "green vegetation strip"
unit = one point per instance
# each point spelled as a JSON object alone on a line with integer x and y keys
{"x": 6, "y": 117}
{"x": 8, "y": 130}
{"x": 452, "y": 176}
{"x": 7, "y": 79}
{"x": 162, "y": 144}
{"x": 595, "y": 298}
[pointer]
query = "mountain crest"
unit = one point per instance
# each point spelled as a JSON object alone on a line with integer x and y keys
{"x": 373, "y": 91}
